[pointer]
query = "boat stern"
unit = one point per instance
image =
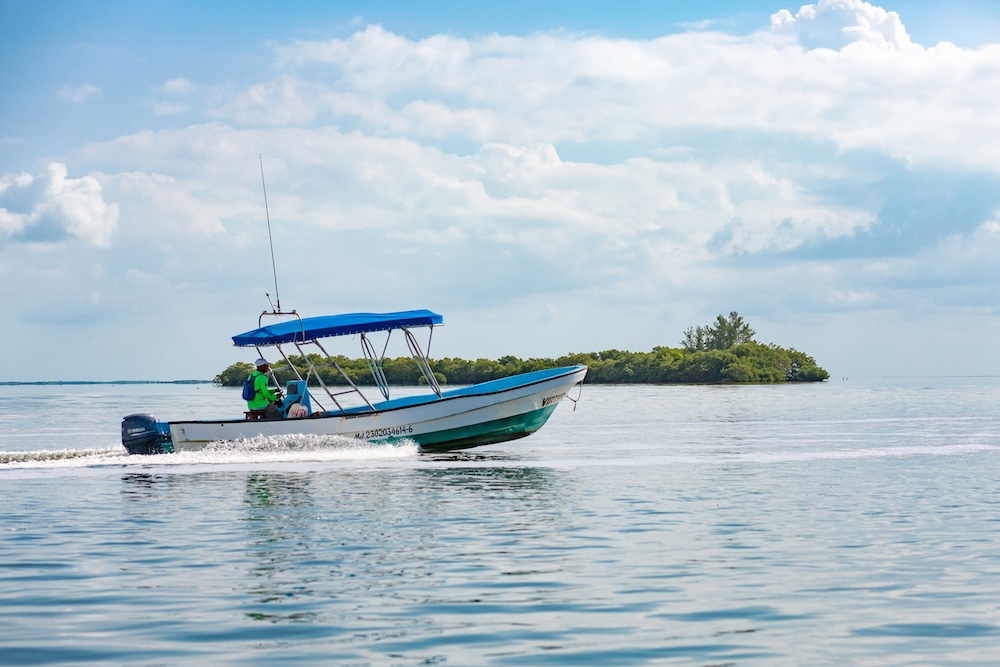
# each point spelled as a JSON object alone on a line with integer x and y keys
{"x": 142, "y": 434}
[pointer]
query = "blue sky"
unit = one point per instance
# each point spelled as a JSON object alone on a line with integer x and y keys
{"x": 551, "y": 177}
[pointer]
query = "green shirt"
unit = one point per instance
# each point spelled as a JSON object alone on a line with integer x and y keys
{"x": 264, "y": 396}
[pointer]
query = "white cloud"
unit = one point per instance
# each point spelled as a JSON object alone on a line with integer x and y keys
{"x": 12, "y": 223}
{"x": 989, "y": 229}
{"x": 878, "y": 92}
{"x": 617, "y": 190}
{"x": 968, "y": 261}
{"x": 286, "y": 101}
{"x": 179, "y": 86}
{"x": 57, "y": 205}
{"x": 637, "y": 224}
{"x": 835, "y": 24}
{"x": 172, "y": 90}
{"x": 78, "y": 94}
{"x": 79, "y": 204}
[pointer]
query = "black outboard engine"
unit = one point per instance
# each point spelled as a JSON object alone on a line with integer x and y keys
{"x": 141, "y": 436}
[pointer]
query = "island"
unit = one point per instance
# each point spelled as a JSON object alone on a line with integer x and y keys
{"x": 721, "y": 352}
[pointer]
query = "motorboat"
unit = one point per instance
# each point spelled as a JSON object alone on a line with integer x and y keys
{"x": 436, "y": 419}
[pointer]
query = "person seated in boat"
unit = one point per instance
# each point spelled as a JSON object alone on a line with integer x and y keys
{"x": 264, "y": 399}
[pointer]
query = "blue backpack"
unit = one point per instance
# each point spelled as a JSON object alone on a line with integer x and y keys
{"x": 248, "y": 390}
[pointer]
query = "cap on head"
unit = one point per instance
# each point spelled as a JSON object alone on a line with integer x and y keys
{"x": 261, "y": 362}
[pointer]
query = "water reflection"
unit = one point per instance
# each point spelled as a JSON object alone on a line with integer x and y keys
{"x": 392, "y": 537}
{"x": 269, "y": 490}
{"x": 538, "y": 483}
{"x": 279, "y": 511}
{"x": 471, "y": 456}
{"x": 139, "y": 486}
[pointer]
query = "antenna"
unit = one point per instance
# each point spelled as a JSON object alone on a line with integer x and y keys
{"x": 274, "y": 270}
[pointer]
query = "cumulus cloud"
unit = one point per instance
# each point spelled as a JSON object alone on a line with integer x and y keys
{"x": 715, "y": 131}
{"x": 581, "y": 178}
{"x": 52, "y": 206}
{"x": 700, "y": 107}
{"x": 541, "y": 220}
{"x": 878, "y": 92}
{"x": 834, "y": 24}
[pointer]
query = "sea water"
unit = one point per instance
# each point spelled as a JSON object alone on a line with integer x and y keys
{"x": 849, "y": 522}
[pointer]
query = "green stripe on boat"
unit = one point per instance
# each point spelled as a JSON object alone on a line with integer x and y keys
{"x": 475, "y": 435}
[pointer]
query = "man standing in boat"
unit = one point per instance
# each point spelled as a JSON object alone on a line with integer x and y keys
{"x": 264, "y": 399}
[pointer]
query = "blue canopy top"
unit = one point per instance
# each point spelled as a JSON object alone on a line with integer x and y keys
{"x": 311, "y": 328}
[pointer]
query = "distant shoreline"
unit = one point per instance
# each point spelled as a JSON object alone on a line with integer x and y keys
{"x": 56, "y": 383}
{"x": 104, "y": 382}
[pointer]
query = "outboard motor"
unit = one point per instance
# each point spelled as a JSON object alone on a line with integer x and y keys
{"x": 140, "y": 435}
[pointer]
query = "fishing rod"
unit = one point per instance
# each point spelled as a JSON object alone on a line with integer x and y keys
{"x": 270, "y": 240}
{"x": 274, "y": 270}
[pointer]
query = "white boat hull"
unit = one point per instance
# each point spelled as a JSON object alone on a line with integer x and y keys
{"x": 473, "y": 416}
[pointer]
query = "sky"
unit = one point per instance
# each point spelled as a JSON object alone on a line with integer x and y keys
{"x": 551, "y": 177}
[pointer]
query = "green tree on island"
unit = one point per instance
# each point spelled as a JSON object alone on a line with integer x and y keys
{"x": 722, "y": 335}
{"x": 722, "y": 352}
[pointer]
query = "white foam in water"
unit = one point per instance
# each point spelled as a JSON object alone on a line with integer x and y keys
{"x": 277, "y": 449}
{"x": 873, "y": 452}
{"x": 74, "y": 456}
{"x": 307, "y": 448}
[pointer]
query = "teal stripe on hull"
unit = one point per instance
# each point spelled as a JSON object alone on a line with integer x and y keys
{"x": 486, "y": 433}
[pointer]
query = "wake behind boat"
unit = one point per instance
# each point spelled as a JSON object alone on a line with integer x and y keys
{"x": 480, "y": 414}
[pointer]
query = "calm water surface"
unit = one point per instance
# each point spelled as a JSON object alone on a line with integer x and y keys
{"x": 843, "y": 523}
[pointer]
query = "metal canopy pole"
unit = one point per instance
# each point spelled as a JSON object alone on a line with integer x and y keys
{"x": 422, "y": 362}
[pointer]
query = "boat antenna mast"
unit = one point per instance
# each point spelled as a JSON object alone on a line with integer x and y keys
{"x": 270, "y": 240}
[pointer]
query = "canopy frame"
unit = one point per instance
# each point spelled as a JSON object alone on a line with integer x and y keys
{"x": 307, "y": 332}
